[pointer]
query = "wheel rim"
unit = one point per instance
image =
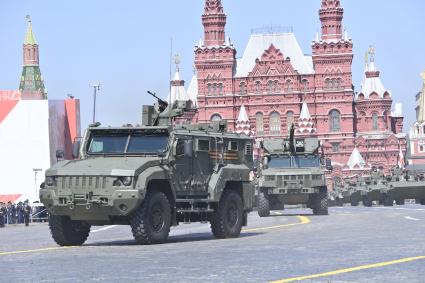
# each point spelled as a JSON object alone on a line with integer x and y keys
{"x": 232, "y": 214}
{"x": 157, "y": 217}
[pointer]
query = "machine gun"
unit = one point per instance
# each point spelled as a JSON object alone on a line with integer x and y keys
{"x": 162, "y": 105}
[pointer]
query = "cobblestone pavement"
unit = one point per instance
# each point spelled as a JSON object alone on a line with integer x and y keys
{"x": 382, "y": 244}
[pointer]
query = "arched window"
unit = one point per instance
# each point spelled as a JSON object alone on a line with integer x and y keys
{"x": 275, "y": 124}
{"x": 242, "y": 88}
{"x": 270, "y": 87}
{"x": 209, "y": 89}
{"x": 339, "y": 83}
{"x": 335, "y": 121}
{"x": 216, "y": 118}
{"x": 220, "y": 87}
{"x": 304, "y": 85}
{"x": 374, "y": 121}
{"x": 257, "y": 87}
{"x": 333, "y": 84}
{"x": 288, "y": 86}
{"x": 327, "y": 84}
{"x": 276, "y": 86}
{"x": 259, "y": 122}
{"x": 214, "y": 89}
{"x": 289, "y": 119}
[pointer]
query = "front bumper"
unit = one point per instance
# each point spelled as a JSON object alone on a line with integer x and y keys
{"x": 88, "y": 206}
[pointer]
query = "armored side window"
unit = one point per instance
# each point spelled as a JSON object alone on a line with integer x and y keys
{"x": 180, "y": 147}
{"x": 248, "y": 148}
{"x": 203, "y": 145}
{"x": 233, "y": 146}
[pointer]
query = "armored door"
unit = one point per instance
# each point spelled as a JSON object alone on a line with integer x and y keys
{"x": 183, "y": 165}
{"x": 202, "y": 164}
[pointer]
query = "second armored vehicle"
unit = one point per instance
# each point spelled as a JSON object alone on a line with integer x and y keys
{"x": 291, "y": 173}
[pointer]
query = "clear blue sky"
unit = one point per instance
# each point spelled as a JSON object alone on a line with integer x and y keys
{"x": 126, "y": 44}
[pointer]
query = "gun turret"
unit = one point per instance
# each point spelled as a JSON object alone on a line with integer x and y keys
{"x": 162, "y": 105}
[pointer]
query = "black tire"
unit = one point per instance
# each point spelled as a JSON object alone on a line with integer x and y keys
{"x": 150, "y": 223}
{"x": 67, "y": 232}
{"x": 367, "y": 202}
{"x": 320, "y": 203}
{"x": 354, "y": 202}
{"x": 400, "y": 202}
{"x": 339, "y": 202}
{"x": 388, "y": 200}
{"x": 227, "y": 219}
{"x": 263, "y": 205}
{"x": 422, "y": 201}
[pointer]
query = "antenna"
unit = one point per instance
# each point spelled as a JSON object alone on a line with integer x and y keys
{"x": 169, "y": 96}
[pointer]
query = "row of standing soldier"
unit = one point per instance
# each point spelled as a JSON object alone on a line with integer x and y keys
{"x": 11, "y": 213}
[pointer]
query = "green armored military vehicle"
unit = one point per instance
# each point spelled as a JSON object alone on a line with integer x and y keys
{"x": 152, "y": 177}
{"x": 291, "y": 173}
{"x": 376, "y": 189}
{"x": 405, "y": 184}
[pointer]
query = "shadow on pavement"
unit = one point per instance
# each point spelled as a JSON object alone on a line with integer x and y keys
{"x": 194, "y": 237}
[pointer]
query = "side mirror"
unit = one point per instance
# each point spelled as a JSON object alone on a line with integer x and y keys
{"x": 60, "y": 154}
{"x": 328, "y": 164}
{"x": 161, "y": 153}
{"x": 76, "y": 149}
{"x": 188, "y": 148}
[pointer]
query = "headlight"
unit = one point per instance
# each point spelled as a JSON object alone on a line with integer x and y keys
{"x": 126, "y": 181}
{"x": 50, "y": 181}
{"x": 123, "y": 181}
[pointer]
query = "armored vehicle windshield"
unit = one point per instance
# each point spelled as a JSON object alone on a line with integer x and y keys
{"x": 310, "y": 161}
{"x": 127, "y": 142}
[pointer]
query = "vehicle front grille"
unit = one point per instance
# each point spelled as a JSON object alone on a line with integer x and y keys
{"x": 82, "y": 182}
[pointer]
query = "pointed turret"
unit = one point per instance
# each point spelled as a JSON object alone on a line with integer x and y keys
{"x": 331, "y": 14}
{"x": 178, "y": 92}
{"x": 372, "y": 82}
{"x": 214, "y": 21}
{"x": 242, "y": 124}
{"x": 305, "y": 124}
{"x": 31, "y": 83}
{"x": 421, "y": 112}
{"x": 192, "y": 90}
{"x": 356, "y": 160}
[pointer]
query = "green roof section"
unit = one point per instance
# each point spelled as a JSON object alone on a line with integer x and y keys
{"x": 29, "y": 36}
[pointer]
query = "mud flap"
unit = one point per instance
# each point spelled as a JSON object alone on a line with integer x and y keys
{"x": 245, "y": 219}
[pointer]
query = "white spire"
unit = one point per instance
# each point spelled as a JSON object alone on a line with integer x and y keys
{"x": 201, "y": 42}
{"x": 305, "y": 114}
{"x": 243, "y": 116}
{"x": 192, "y": 90}
{"x": 317, "y": 37}
{"x": 356, "y": 160}
{"x": 372, "y": 82}
{"x": 227, "y": 41}
{"x": 398, "y": 110}
{"x": 346, "y": 35}
{"x": 178, "y": 92}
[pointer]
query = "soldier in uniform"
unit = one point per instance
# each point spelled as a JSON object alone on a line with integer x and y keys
{"x": 27, "y": 213}
{"x": 3, "y": 213}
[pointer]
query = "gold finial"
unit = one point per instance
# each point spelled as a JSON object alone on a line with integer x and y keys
{"x": 371, "y": 52}
{"x": 177, "y": 61}
{"x": 28, "y": 17}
